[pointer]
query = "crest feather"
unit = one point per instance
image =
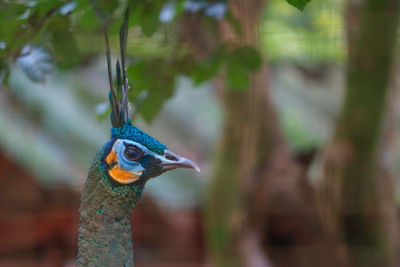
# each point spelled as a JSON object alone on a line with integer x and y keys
{"x": 119, "y": 97}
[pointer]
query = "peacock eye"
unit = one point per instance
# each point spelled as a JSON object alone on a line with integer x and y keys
{"x": 133, "y": 153}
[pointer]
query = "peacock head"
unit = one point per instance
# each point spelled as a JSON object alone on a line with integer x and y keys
{"x": 132, "y": 156}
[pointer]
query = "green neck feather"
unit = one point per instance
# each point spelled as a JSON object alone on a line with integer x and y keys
{"x": 105, "y": 237}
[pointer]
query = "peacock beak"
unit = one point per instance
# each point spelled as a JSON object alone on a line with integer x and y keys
{"x": 174, "y": 161}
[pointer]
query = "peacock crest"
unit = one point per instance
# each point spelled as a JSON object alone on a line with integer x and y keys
{"x": 119, "y": 105}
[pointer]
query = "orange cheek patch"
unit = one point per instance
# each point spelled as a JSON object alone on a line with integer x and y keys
{"x": 111, "y": 157}
{"x": 122, "y": 176}
{"x": 118, "y": 174}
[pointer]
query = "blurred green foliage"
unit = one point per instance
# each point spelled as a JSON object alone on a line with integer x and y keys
{"x": 60, "y": 28}
{"x": 69, "y": 31}
{"x": 300, "y": 4}
{"x": 312, "y": 37}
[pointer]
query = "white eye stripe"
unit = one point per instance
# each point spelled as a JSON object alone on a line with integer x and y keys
{"x": 119, "y": 145}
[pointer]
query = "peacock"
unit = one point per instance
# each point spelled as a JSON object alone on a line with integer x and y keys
{"x": 117, "y": 176}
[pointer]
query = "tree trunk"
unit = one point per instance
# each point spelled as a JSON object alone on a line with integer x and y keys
{"x": 256, "y": 205}
{"x": 256, "y": 178}
{"x": 351, "y": 168}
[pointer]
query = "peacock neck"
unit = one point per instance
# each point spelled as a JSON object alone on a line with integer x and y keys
{"x": 105, "y": 237}
{"x": 105, "y": 240}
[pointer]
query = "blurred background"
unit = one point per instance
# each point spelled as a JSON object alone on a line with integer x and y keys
{"x": 289, "y": 107}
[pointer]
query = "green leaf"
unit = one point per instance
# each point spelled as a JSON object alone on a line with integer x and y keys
{"x": 154, "y": 102}
{"x": 157, "y": 78}
{"x": 237, "y": 76}
{"x": 149, "y": 25}
{"x": 63, "y": 42}
{"x": 4, "y": 74}
{"x": 204, "y": 71}
{"x": 89, "y": 20}
{"x": 247, "y": 56}
{"x": 240, "y": 63}
{"x": 137, "y": 77}
{"x": 15, "y": 32}
{"x": 300, "y": 4}
{"x": 145, "y": 14}
{"x": 107, "y": 6}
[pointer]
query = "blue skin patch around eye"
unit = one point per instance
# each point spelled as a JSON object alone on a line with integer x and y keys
{"x": 130, "y": 132}
{"x": 124, "y": 163}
